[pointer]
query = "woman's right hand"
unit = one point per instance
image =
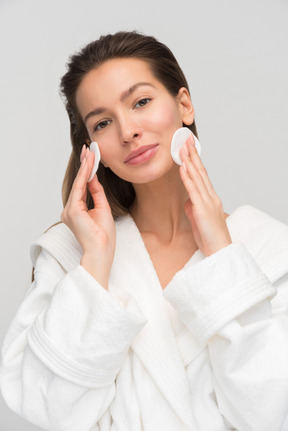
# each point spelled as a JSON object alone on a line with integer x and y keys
{"x": 94, "y": 229}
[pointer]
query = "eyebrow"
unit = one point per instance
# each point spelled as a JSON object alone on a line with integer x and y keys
{"x": 124, "y": 95}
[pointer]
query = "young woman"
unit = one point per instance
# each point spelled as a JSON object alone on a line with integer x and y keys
{"x": 150, "y": 308}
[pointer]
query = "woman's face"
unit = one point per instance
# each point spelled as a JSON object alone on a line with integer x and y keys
{"x": 132, "y": 117}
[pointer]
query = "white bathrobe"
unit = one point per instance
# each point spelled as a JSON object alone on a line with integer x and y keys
{"x": 209, "y": 352}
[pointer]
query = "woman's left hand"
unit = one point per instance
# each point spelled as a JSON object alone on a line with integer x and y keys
{"x": 204, "y": 207}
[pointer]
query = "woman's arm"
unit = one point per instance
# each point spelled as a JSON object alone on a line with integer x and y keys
{"x": 64, "y": 349}
{"x": 228, "y": 303}
{"x": 94, "y": 229}
{"x": 249, "y": 357}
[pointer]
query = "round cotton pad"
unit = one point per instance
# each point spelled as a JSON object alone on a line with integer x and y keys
{"x": 178, "y": 141}
{"x": 94, "y": 147}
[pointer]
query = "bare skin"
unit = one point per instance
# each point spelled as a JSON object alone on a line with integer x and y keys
{"x": 177, "y": 211}
{"x": 160, "y": 215}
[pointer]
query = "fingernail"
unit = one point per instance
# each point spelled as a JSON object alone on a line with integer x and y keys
{"x": 184, "y": 166}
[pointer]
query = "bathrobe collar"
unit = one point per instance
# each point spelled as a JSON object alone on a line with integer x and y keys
{"x": 155, "y": 345}
{"x": 265, "y": 237}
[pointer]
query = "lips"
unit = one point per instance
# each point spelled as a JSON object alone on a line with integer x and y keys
{"x": 133, "y": 154}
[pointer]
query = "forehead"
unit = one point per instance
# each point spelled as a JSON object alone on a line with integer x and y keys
{"x": 119, "y": 69}
{"x": 119, "y": 66}
{"x": 113, "y": 77}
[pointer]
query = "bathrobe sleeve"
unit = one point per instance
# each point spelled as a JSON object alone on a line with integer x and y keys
{"x": 65, "y": 347}
{"x": 229, "y": 304}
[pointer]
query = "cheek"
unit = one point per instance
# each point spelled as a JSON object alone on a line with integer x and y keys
{"x": 105, "y": 156}
{"x": 108, "y": 145}
{"x": 166, "y": 117}
{"x": 105, "y": 150}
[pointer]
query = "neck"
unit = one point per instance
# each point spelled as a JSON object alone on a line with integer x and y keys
{"x": 159, "y": 206}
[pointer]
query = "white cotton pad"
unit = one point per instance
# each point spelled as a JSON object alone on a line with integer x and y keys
{"x": 178, "y": 141}
{"x": 94, "y": 147}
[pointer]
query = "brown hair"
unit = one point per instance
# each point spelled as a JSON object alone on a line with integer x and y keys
{"x": 120, "y": 193}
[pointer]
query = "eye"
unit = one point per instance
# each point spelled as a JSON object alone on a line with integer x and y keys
{"x": 142, "y": 102}
{"x": 101, "y": 125}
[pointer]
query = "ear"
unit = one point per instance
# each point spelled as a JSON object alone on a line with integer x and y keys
{"x": 185, "y": 105}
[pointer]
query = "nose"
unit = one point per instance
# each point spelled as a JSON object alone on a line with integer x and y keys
{"x": 129, "y": 129}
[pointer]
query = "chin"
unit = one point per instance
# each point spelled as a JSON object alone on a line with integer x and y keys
{"x": 151, "y": 176}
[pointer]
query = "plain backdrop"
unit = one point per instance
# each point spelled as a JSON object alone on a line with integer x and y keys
{"x": 235, "y": 57}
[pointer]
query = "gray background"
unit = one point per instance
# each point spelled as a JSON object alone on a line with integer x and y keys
{"x": 234, "y": 54}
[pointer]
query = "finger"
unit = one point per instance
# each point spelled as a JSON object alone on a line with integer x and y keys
{"x": 195, "y": 158}
{"x": 79, "y": 187}
{"x": 191, "y": 187}
{"x": 97, "y": 192}
{"x": 193, "y": 180}
{"x": 83, "y": 153}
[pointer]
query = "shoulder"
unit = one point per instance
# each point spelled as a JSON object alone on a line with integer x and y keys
{"x": 60, "y": 242}
{"x": 250, "y": 222}
{"x": 265, "y": 237}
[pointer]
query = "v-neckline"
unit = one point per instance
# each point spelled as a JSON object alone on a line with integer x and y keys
{"x": 134, "y": 279}
{"x": 196, "y": 256}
